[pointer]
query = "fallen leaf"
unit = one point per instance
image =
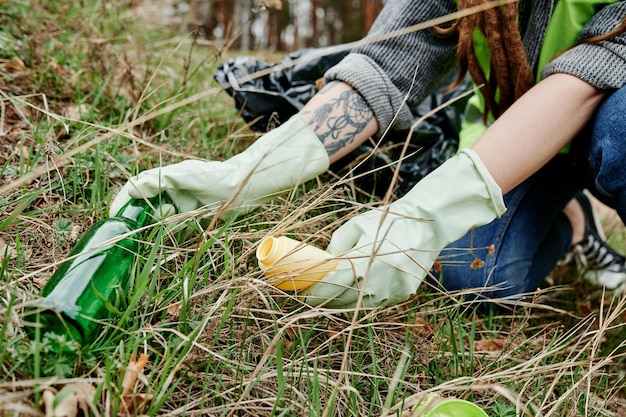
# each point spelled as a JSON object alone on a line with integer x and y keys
{"x": 15, "y": 65}
{"x": 134, "y": 368}
{"x": 489, "y": 345}
{"x": 173, "y": 310}
{"x": 421, "y": 327}
{"x": 71, "y": 399}
{"x": 132, "y": 403}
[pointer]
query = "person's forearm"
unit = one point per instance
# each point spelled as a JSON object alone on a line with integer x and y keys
{"x": 536, "y": 128}
{"x": 340, "y": 118}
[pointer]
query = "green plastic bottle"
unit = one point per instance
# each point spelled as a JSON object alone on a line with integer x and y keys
{"x": 79, "y": 294}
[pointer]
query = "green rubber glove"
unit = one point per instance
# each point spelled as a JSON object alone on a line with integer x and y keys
{"x": 391, "y": 249}
{"x": 279, "y": 160}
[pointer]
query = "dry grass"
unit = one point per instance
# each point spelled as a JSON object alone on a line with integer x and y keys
{"x": 220, "y": 340}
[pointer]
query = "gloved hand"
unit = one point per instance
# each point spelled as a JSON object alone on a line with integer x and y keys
{"x": 279, "y": 160}
{"x": 388, "y": 251}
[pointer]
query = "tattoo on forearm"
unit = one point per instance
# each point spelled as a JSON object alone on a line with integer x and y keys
{"x": 338, "y": 121}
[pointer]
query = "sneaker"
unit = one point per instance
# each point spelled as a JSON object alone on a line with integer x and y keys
{"x": 601, "y": 264}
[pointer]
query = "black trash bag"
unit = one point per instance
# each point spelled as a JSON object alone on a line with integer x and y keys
{"x": 271, "y": 99}
{"x": 434, "y": 140}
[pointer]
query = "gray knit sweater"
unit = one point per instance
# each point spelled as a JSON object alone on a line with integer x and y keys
{"x": 385, "y": 73}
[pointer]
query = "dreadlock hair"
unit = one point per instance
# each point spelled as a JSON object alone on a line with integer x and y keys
{"x": 510, "y": 73}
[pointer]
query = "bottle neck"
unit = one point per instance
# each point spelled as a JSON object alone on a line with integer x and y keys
{"x": 139, "y": 211}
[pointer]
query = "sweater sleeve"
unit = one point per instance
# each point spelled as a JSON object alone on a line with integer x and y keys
{"x": 601, "y": 64}
{"x": 396, "y": 73}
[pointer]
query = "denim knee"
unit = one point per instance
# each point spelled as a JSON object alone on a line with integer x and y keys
{"x": 608, "y": 151}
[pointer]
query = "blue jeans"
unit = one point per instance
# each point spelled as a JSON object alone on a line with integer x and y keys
{"x": 513, "y": 255}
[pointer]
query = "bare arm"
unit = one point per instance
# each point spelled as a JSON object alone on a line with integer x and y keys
{"x": 522, "y": 140}
{"x": 536, "y": 128}
{"x": 341, "y": 118}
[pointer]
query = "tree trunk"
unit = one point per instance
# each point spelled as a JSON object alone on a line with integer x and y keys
{"x": 370, "y": 8}
{"x": 313, "y": 41}
{"x": 296, "y": 22}
{"x": 273, "y": 29}
{"x": 246, "y": 18}
{"x": 223, "y": 18}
